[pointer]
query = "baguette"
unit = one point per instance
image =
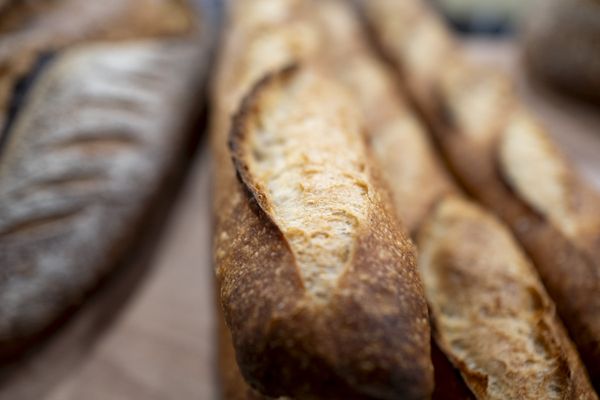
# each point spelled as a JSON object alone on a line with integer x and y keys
{"x": 90, "y": 137}
{"x": 492, "y": 315}
{"x": 316, "y": 244}
{"x": 503, "y": 157}
{"x": 318, "y": 284}
{"x": 296, "y": 20}
{"x": 490, "y": 312}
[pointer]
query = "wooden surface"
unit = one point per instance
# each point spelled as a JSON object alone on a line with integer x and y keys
{"x": 162, "y": 346}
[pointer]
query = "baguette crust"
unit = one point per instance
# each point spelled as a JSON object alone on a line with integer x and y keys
{"x": 282, "y": 333}
{"x": 492, "y": 315}
{"x": 485, "y": 135}
{"x": 78, "y": 172}
{"x": 374, "y": 304}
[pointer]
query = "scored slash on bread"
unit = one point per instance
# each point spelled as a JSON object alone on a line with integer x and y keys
{"x": 318, "y": 284}
{"x": 492, "y": 315}
{"x": 316, "y": 197}
{"x": 503, "y": 158}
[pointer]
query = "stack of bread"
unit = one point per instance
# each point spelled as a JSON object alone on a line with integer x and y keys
{"x": 390, "y": 220}
{"x": 329, "y": 163}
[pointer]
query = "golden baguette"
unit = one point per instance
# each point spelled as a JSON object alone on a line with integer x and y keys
{"x": 318, "y": 284}
{"x": 504, "y": 158}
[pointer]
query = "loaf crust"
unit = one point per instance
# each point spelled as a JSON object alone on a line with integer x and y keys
{"x": 282, "y": 335}
{"x": 492, "y": 315}
{"x": 83, "y": 158}
{"x": 484, "y": 132}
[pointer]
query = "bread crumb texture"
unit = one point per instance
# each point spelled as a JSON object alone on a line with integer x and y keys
{"x": 316, "y": 194}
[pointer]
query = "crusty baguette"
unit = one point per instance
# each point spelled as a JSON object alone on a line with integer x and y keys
{"x": 300, "y": 22}
{"x": 504, "y": 158}
{"x": 318, "y": 285}
{"x": 492, "y": 315}
{"x": 318, "y": 282}
{"x": 86, "y": 150}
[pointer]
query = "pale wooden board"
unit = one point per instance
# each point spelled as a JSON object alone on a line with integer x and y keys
{"x": 163, "y": 344}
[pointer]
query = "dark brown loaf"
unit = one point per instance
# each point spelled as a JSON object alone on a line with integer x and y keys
{"x": 503, "y": 157}
{"x": 85, "y": 152}
{"x": 302, "y": 22}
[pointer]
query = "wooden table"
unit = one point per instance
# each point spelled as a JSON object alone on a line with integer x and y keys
{"x": 162, "y": 346}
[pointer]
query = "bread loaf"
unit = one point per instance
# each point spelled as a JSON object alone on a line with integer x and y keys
{"x": 318, "y": 284}
{"x": 503, "y": 157}
{"x": 337, "y": 276}
{"x": 492, "y": 315}
{"x": 89, "y": 138}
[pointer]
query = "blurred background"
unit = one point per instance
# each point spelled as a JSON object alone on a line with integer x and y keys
{"x": 483, "y": 16}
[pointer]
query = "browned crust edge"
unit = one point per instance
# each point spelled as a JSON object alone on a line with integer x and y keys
{"x": 239, "y": 132}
